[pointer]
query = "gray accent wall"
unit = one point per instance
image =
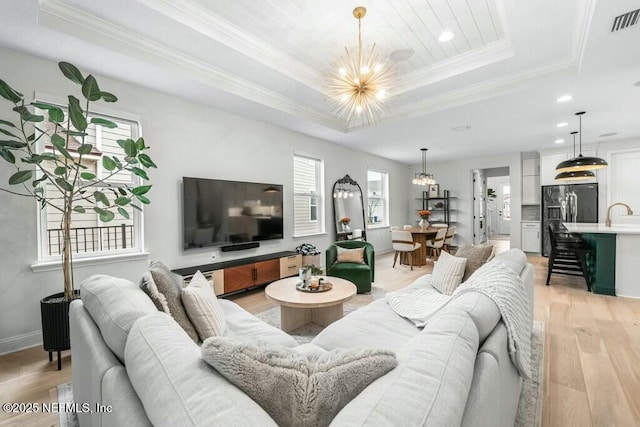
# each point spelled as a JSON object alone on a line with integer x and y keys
{"x": 186, "y": 139}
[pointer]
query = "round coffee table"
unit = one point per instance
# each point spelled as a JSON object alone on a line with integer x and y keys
{"x": 299, "y": 308}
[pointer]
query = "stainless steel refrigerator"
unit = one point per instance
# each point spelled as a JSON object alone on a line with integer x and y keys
{"x": 567, "y": 203}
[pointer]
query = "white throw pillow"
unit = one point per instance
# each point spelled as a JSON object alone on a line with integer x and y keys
{"x": 447, "y": 273}
{"x": 203, "y": 307}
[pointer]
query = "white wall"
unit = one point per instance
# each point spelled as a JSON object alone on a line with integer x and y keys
{"x": 456, "y": 176}
{"x": 186, "y": 139}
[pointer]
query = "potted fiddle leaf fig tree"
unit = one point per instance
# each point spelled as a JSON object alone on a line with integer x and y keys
{"x": 47, "y": 145}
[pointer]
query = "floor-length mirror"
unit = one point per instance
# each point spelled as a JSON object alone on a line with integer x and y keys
{"x": 348, "y": 208}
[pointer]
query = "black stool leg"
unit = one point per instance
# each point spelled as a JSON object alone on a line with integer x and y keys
{"x": 549, "y": 268}
{"x": 59, "y": 361}
{"x": 50, "y": 357}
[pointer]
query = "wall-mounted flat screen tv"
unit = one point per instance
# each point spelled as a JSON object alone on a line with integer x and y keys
{"x": 219, "y": 213}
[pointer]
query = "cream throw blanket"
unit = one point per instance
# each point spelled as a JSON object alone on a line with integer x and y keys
{"x": 498, "y": 282}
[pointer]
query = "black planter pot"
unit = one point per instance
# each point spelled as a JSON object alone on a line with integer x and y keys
{"x": 54, "y": 312}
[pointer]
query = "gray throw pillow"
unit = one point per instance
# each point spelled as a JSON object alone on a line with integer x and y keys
{"x": 476, "y": 255}
{"x": 297, "y": 389}
{"x": 447, "y": 273}
{"x": 165, "y": 290}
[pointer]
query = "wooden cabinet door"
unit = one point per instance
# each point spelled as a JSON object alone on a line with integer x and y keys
{"x": 267, "y": 271}
{"x": 240, "y": 277}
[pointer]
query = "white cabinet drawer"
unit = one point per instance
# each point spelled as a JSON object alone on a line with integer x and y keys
{"x": 531, "y": 225}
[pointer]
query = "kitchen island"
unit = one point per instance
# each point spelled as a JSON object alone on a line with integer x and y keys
{"x": 613, "y": 267}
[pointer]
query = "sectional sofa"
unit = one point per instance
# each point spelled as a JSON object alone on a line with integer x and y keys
{"x": 454, "y": 371}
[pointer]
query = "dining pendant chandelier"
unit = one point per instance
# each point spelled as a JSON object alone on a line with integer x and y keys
{"x": 358, "y": 84}
{"x": 575, "y": 175}
{"x": 581, "y": 163}
{"x": 424, "y": 178}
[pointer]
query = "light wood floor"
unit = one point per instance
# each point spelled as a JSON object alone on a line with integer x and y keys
{"x": 592, "y": 353}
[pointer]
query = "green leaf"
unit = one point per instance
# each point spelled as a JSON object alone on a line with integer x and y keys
{"x": 139, "y": 172}
{"x": 60, "y": 170}
{"x": 6, "y": 123}
{"x": 108, "y": 97}
{"x": 144, "y": 199}
{"x": 130, "y": 148}
{"x": 8, "y": 93}
{"x": 64, "y": 184}
{"x": 12, "y": 144}
{"x": 48, "y": 156}
{"x": 7, "y": 155}
{"x": 88, "y": 176}
{"x": 74, "y": 132}
{"x": 57, "y": 141}
{"x": 121, "y": 143}
{"x": 100, "y": 197}
{"x": 118, "y": 162}
{"x": 131, "y": 160}
{"x": 98, "y": 210}
{"x": 140, "y": 144}
{"x": 76, "y": 114}
{"x": 85, "y": 149}
{"x": 139, "y": 191}
{"x": 122, "y": 201}
{"x": 79, "y": 209}
{"x": 33, "y": 118}
{"x": 146, "y": 161}
{"x": 39, "y": 190}
{"x": 108, "y": 216}
{"x": 103, "y": 122}
{"x": 122, "y": 191}
{"x": 44, "y": 105}
{"x": 36, "y": 182}
{"x": 136, "y": 207}
{"x": 123, "y": 212}
{"x": 20, "y": 177}
{"x": 56, "y": 115}
{"x": 90, "y": 88}
{"x": 71, "y": 72}
{"x": 6, "y": 132}
{"x": 108, "y": 163}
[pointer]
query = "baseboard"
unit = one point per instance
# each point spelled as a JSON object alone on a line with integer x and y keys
{"x": 20, "y": 342}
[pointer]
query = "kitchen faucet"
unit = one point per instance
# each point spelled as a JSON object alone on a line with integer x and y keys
{"x": 607, "y": 221}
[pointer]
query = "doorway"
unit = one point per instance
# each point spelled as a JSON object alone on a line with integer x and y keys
{"x": 495, "y": 201}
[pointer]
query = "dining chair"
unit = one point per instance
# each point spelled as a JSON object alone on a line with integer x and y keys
{"x": 435, "y": 245}
{"x": 448, "y": 239}
{"x": 568, "y": 255}
{"x": 394, "y": 228}
{"x": 404, "y": 245}
{"x": 356, "y": 234}
{"x": 407, "y": 227}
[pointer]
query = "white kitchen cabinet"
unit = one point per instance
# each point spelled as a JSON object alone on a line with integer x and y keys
{"x": 531, "y": 190}
{"x": 530, "y": 167}
{"x": 531, "y": 237}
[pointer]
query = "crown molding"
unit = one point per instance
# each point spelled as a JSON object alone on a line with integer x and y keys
{"x": 475, "y": 93}
{"x": 584, "y": 18}
{"x": 60, "y": 16}
{"x": 202, "y": 20}
{"x": 476, "y": 58}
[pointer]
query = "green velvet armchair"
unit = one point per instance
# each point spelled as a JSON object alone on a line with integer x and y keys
{"x": 360, "y": 275}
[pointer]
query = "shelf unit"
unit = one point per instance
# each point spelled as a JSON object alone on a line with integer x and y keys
{"x": 440, "y": 214}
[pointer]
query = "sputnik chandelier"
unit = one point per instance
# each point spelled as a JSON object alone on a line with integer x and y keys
{"x": 424, "y": 178}
{"x": 358, "y": 84}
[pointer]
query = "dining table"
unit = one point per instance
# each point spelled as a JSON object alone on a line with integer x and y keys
{"x": 419, "y": 256}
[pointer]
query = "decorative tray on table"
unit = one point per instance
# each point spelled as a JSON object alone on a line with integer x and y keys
{"x": 322, "y": 287}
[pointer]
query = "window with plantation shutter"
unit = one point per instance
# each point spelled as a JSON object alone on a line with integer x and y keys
{"x": 308, "y": 197}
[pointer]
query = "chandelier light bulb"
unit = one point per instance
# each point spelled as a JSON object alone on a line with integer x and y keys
{"x": 356, "y": 80}
{"x": 365, "y": 69}
{"x": 342, "y": 71}
{"x": 344, "y": 98}
{"x": 359, "y": 109}
{"x": 377, "y": 68}
{"x": 380, "y": 94}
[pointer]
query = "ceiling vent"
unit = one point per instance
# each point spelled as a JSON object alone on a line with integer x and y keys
{"x": 626, "y": 20}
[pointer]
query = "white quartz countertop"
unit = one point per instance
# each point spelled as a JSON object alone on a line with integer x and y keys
{"x": 583, "y": 227}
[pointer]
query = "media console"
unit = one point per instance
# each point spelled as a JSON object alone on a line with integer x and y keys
{"x": 245, "y": 273}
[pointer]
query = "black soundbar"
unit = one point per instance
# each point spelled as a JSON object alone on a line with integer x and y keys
{"x": 239, "y": 246}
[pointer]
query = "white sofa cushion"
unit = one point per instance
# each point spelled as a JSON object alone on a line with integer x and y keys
{"x": 203, "y": 308}
{"x": 244, "y": 325}
{"x": 114, "y": 305}
{"x": 177, "y": 387}
{"x": 513, "y": 258}
{"x": 431, "y": 383}
{"x": 297, "y": 389}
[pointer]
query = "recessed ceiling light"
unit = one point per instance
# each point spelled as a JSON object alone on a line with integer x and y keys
{"x": 559, "y": 141}
{"x": 604, "y": 135}
{"x": 445, "y": 36}
{"x": 564, "y": 98}
{"x": 460, "y": 128}
{"x": 562, "y": 124}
